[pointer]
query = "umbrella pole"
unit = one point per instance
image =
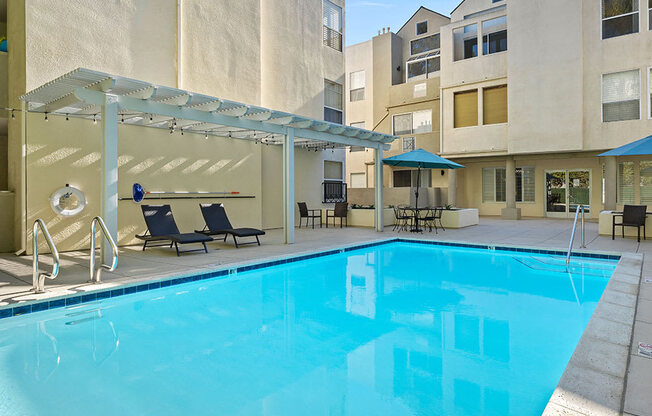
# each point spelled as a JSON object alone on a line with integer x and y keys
{"x": 416, "y": 202}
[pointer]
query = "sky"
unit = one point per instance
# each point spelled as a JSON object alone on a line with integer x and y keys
{"x": 365, "y": 17}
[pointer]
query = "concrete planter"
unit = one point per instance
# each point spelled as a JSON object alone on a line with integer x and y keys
{"x": 605, "y": 221}
{"x": 459, "y": 218}
{"x": 365, "y": 217}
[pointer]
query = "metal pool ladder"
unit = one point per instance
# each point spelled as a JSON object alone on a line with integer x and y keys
{"x": 570, "y": 244}
{"x": 96, "y": 277}
{"x": 38, "y": 279}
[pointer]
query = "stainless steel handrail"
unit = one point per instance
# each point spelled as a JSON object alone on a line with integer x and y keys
{"x": 96, "y": 277}
{"x": 38, "y": 280}
{"x": 572, "y": 238}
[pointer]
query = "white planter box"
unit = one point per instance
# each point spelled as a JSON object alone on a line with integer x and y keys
{"x": 605, "y": 221}
{"x": 460, "y": 218}
{"x": 365, "y": 217}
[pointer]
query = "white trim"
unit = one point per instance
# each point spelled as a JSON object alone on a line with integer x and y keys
{"x": 602, "y": 19}
{"x": 425, "y": 76}
{"x": 640, "y": 89}
{"x": 477, "y": 34}
{"x": 481, "y": 36}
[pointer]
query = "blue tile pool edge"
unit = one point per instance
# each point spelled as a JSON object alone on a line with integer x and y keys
{"x": 24, "y": 308}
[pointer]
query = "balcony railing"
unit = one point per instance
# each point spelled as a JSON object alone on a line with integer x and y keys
{"x": 332, "y": 38}
{"x": 333, "y": 191}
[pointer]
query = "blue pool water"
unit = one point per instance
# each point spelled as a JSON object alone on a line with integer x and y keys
{"x": 396, "y": 329}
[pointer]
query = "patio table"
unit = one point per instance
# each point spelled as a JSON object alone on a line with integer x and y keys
{"x": 415, "y": 218}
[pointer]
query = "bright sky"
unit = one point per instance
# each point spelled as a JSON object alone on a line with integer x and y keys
{"x": 365, "y": 17}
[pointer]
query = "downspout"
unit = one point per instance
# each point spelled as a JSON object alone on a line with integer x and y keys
{"x": 179, "y": 43}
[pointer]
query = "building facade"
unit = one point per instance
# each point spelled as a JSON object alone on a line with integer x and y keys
{"x": 527, "y": 108}
{"x": 242, "y": 51}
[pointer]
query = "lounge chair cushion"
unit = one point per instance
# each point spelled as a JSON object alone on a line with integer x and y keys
{"x": 189, "y": 238}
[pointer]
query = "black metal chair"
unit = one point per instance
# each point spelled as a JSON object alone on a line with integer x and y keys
{"x": 341, "y": 210}
{"x": 439, "y": 211}
{"x": 217, "y": 223}
{"x": 308, "y": 214}
{"x": 428, "y": 219}
{"x": 403, "y": 219}
{"x": 632, "y": 216}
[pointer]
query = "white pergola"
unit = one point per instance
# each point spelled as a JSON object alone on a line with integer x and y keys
{"x": 112, "y": 99}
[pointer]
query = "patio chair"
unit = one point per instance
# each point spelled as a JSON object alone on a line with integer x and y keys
{"x": 162, "y": 227}
{"x": 428, "y": 219}
{"x": 217, "y": 223}
{"x": 340, "y": 211}
{"x": 632, "y": 216}
{"x": 403, "y": 219}
{"x": 308, "y": 214}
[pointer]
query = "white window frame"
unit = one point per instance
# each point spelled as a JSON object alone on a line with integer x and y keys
{"x": 342, "y": 100}
{"x": 478, "y": 40}
{"x": 649, "y": 16}
{"x": 649, "y": 91}
{"x": 602, "y": 19}
{"x": 364, "y": 87}
{"x": 495, "y": 168}
{"x": 364, "y": 175}
{"x": 640, "y": 94}
{"x": 481, "y": 34}
{"x": 425, "y": 58}
{"x": 342, "y": 171}
{"x": 427, "y": 35}
{"x": 416, "y": 25}
{"x": 412, "y": 129}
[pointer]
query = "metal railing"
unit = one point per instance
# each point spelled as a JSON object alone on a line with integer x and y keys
{"x": 570, "y": 244}
{"x": 96, "y": 277}
{"x": 333, "y": 191}
{"x": 332, "y": 38}
{"x": 38, "y": 279}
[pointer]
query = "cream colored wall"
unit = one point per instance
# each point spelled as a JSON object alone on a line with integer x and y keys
{"x": 234, "y": 50}
{"x": 617, "y": 54}
{"x": 409, "y": 31}
{"x": 472, "y": 6}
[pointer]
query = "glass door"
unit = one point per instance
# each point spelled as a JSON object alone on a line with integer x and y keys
{"x": 565, "y": 190}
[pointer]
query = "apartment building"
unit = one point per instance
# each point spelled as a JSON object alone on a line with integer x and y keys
{"x": 527, "y": 109}
{"x": 243, "y": 51}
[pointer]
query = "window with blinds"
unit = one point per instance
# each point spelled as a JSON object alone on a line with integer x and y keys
{"x": 494, "y": 35}
{"x": 494, "y": 184}
{"x": 332, "y": 170}
{"x": 621, "y": 96}
{"x": 333, "y": 102}
{"x": 465, "y": 109}
{"x": 465, "y": 42}
{"x": 332, "y": 25}
{"x": 619, "y": 17}
{"x": 358, "y": 180}
{"x": 494, "y": 105}
{"x": 356, "y": 85}
{"x": 645, "y": 186}
{"x": 625, "y": 183}
{"x": 412, "y": 123}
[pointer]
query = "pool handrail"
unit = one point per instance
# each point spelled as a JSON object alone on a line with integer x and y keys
{"x": 570, "y": 244}
{"x": 38, "y": 279}
{"x": 96, "y": 277}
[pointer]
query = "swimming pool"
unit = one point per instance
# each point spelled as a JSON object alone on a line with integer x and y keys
{"x": 394, "y": 329}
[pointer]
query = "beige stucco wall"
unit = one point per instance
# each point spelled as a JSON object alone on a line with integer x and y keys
{"x": 242, "y": 51}
{"x": 467, "y": 7}
{"x": 409, "y": 30}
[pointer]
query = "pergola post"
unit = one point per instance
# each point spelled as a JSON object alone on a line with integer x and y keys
{"x": 288, "y": 186}
{"x": 109, "y": 175}
{"x": 610, "y": 174}
{"x": 378, "y": 183}
{"x": 510, "y": 212}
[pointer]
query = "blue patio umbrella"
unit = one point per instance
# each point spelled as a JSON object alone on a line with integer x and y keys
{"x": 639, "y": 147}
{"x": 421, "y": 159}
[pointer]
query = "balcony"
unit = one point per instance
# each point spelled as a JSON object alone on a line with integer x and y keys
{"x": 333, "y": 191}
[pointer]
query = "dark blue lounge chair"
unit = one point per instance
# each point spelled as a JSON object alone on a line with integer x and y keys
{"x": 162, "y": 227}
{"x": 217, "y": 223}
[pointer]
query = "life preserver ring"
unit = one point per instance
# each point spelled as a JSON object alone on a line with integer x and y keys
{"x": 67, "y": 201}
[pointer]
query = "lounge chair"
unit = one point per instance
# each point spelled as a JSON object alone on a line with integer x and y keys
{"x": 217, "y": 223}
{"x": 308, "y": 214}
{"x": 632, "y": 216}
{"x": 162, "y": 227}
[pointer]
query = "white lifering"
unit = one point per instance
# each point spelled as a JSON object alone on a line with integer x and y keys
{"x": 68, "y": 201}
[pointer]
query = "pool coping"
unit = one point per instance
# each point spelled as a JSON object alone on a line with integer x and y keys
{"x": 129, "y": 287}
{"x": 594, "y": 380}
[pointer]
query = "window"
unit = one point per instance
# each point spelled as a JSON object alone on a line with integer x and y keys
{"x": 332, "y": 170}
{"x": 619, "y": 17}
{"x": 333, "y": 102}
{"x": 420, "y": 90}
{"x": 625, "y": 183}
{"x": 421, "y": 67}
{"x": 426, "y": 44}
{"x": 645, "y": 169}
{"x": 357, "y": 85}
{"x": 412, "y": 123}
{"x": 409, "y": 144}
{"x": 494, "y": 35}
{"x": 621, "y": 92}
{"x": 465, "y": 42}
{"x": 358, "y": 180}
{"x": 494, "y": 105}
{"x": 332, "y": 20}
{"x": 360, "y": 125}
{"x": 494, "y": 184}
{"x": 649, "y": 15}
{"x": 465, "y": 109}
{"x": 649, "y": 77}
{"x": 402, "y": 178}
{"x": 422, "y": 28}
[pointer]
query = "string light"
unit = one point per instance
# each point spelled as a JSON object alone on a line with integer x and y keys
{"x": 151, "y": 118}
{"x": 229, "y": 135}
{"x": 67, "y": 119}
{"x": 46, "y": 116}
{"x": 182, "y": 131}
{"x": 94, "y": 119}
{"x": 122, "y": 119}
{"x": 205, "y": 135}
{"x": 13, "y": 116}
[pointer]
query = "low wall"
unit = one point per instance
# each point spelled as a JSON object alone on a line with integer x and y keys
{"x": 6, "y": 222}
{"x": 365, "y": 217}
{"x": 460, "y": 218}
{"x": 605, "y": 221}
{"x": 399, "y": 196}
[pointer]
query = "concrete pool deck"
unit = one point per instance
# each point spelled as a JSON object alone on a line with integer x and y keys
{"x": 605, "y": 376}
